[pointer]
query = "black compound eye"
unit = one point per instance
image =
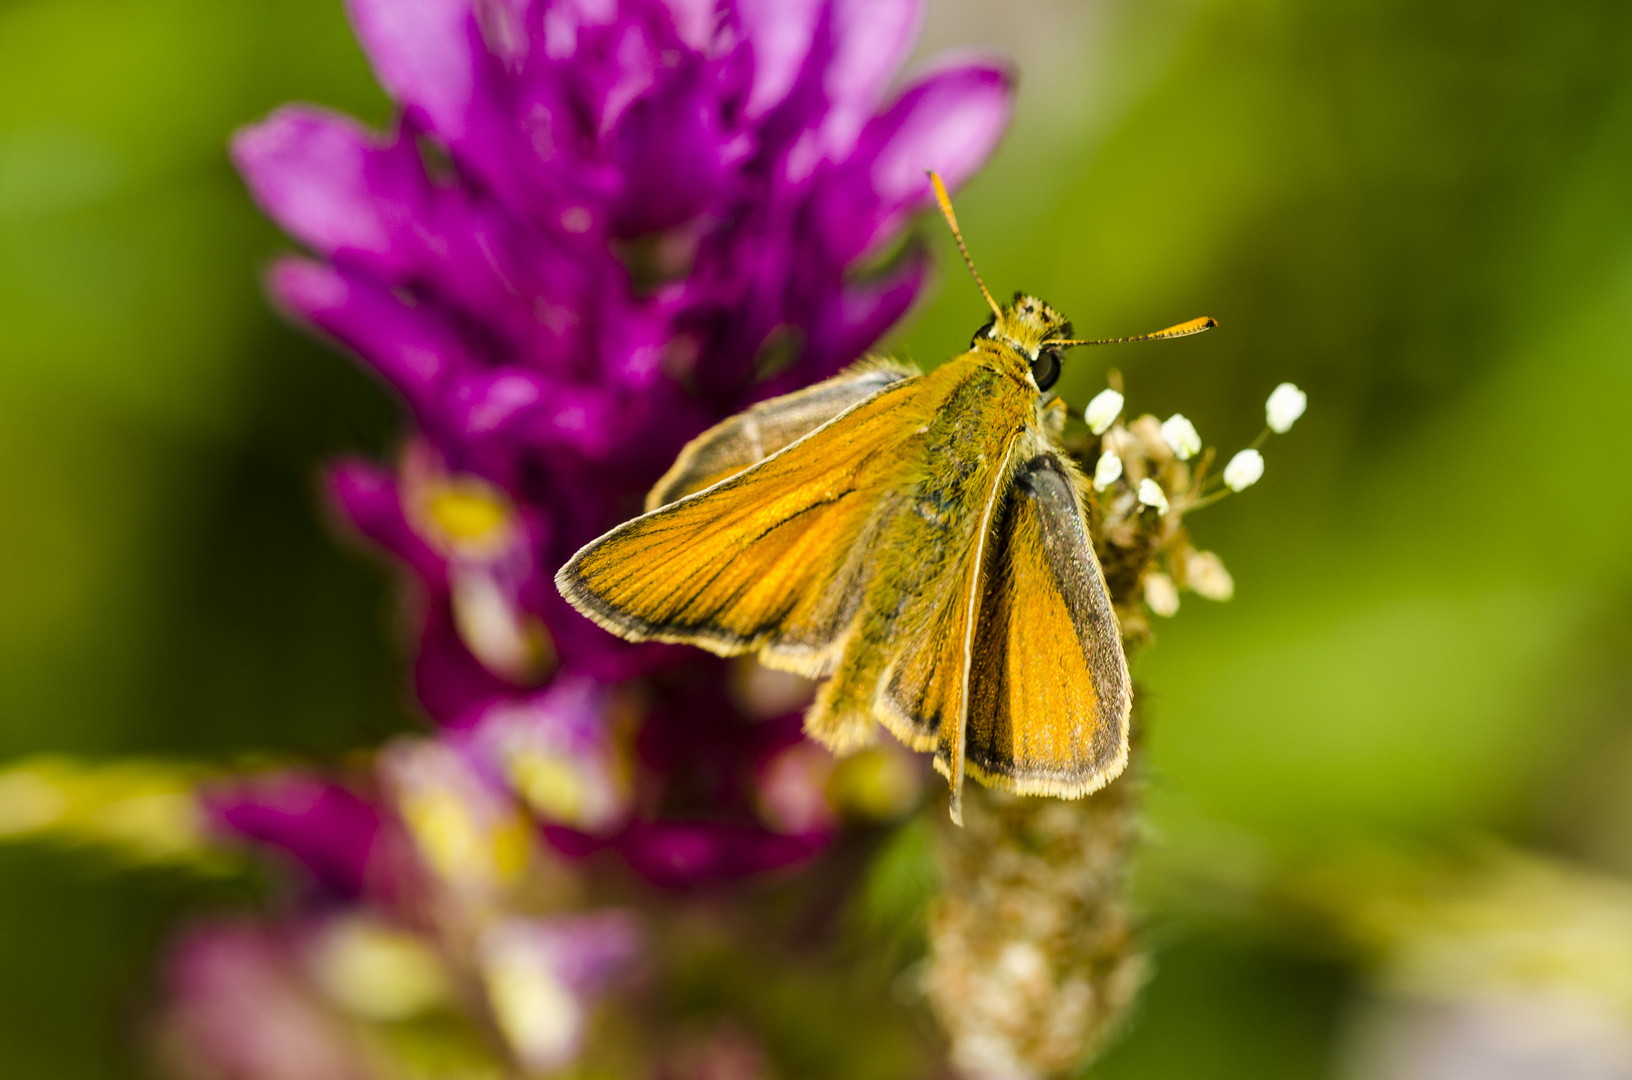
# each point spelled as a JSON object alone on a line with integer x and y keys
{"x": 1046, "y": 368}
{"x": 984, "y": 331}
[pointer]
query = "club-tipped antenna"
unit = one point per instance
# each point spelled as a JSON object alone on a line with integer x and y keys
{"x": 945, "y": 202}
{"x": 1183, "y": 329}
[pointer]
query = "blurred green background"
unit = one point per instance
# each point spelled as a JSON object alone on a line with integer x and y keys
{"x": 1420, "y": 212}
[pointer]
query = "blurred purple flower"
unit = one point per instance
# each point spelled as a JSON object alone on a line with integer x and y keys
{"x": 238, "y": 1007}
{"x": 596, "y": 229}
{"x": 330, "y": 831}
{"x": 562, "y": 752}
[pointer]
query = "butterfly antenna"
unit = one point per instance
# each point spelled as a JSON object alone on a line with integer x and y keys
{"x": 945, "y": 202}
{"x": 1183, "y": 329}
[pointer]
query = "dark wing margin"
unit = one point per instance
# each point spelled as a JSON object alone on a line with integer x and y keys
{"x": 761, "y": 430}
{"x": 1050, "y": 690}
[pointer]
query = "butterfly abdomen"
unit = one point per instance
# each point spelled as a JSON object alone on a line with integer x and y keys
{"x": 902, "y": 660}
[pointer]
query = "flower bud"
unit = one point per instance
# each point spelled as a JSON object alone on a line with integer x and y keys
{"x": 1286, "y": 403}
{"x": 1102, "y": 412}
{"x": 1204, "y": 575}
{"x": 1152, "y": 495}
{"x": 1108, "y": 471}
{"x": 1180, "y": 434}
{"x": 1161, "y": 595}
{"x": 1244, "y": 470}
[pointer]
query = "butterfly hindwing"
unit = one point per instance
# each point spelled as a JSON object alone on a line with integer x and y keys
{"x": 1051, "y": 694}
{"x": 772, "y": 558}
{"x": 751, "y": 436}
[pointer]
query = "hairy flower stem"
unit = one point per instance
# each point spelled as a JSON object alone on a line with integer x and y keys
{"x": 1034, "y": 959}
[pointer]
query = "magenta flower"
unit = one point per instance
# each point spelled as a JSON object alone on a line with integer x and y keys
{"x": 596, "y": 228}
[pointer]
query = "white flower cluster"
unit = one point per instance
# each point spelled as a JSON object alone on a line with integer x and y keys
{"x": 1286, "y": 403}
{"x": 1149, "y": 464}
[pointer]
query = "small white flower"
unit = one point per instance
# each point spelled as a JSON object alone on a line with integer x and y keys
{"x": 1204, "y": 575}
{"x": 1102, "y": 412}
{"x": 1286, "y": 403}
{"x": 1108, "y": 471}
{"x": 1180, "y": 434}
{"x": 1244, "y": 470}
{"x": 1152, "y": 495}
{"x": 1161, "y": 595}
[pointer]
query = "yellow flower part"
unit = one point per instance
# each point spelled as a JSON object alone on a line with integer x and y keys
{"x": 470, "y": 516}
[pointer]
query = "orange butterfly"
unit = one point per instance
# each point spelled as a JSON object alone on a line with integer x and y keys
{"x": 919, "y": 540}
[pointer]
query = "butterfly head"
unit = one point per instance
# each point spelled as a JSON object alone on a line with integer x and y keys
{"x": 1029, "y": 327}
{"x": 1033, "y": 330}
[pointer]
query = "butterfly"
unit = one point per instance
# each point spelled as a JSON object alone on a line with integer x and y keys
{"x": 918, "y": 540}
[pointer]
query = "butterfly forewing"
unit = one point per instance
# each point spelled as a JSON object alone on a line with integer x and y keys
{"x": 773, "y": 558}
{"x": 1050, "y": 690}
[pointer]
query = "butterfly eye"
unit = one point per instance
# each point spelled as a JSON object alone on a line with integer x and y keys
{"x": 984, "y": 331}
{"x": 1046, "y": 368}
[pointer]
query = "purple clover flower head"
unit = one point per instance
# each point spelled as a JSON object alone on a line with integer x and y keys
{"x": 595, "y": 229}
{"x": 543, "y": 977}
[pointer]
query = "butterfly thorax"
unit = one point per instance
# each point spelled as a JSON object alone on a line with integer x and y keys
{"x": 1025, "y": 334}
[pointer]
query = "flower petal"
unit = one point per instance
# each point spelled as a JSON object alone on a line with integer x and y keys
{"x": 869, "y": 40}
{"x": 449, "y": 682}
{"x": 423, "y": 52}
{"x": 863, "y": 312}
{"x": 368, "y": 497}
{"x": 950, "y": 122}
{"x": 680, "y": 854}
{"x": 323, "y": 826}
{"x": 780, "y": 34}
{"x": 694, "y": 21}
{"x": 319, "y": 175}
{"x": 410, "y": 346}
{"x": 671, "y": 151}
